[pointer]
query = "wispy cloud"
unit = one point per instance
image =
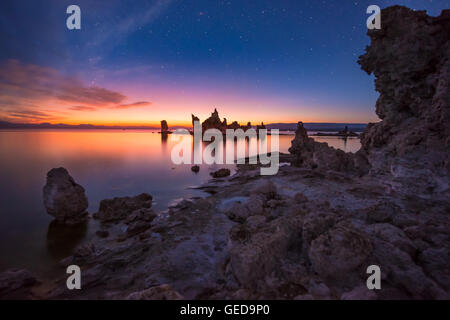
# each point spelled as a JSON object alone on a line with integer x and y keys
{"x": 30, "y": 116}
{"x": 27, "y": 81}
{"x": 132, "y": 105}
{"x": 82, "y": 108}
{"x": 24, "y": 87}
{"x": 119, "y": 106}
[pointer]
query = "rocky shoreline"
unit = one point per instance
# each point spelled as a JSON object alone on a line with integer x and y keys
{"x": 311, "y": 231}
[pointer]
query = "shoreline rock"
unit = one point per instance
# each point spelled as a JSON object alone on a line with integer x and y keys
{"x": 119, "y": 208}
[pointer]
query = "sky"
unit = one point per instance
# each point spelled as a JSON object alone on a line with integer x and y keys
{"x": 138, "y": 62}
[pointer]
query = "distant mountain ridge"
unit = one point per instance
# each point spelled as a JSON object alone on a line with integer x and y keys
{"x": 312, "y": 126}
{"x": 11, "y": 125}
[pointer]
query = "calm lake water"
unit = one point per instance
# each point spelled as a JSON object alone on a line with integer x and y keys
{"x": 107, "y": 164}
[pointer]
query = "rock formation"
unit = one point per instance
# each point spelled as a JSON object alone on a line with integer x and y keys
{"x": 194, "y": 118}
{"x": 410, "y": 146}
{"x": 346, "y": 133}
{"x": 318, "y": 155}
{"x": 411, "y": 64}
{"x": 16, "y": 284}
{"x": 119, "y": 208}
{"x": 261, "y": 126}
{"x": 164, "y": 127}
{"x": 213, "y": 122}
{"x": 64, "y": 198}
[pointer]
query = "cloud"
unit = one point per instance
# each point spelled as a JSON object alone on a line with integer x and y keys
{"x": 24, "y": 88}
{"x": 119, "y": 106}
{"x": 83, "y": 108}
{"x": 30, "y": 116}
{"x": 132, "y": 105}
{"x": 31, "y": 82}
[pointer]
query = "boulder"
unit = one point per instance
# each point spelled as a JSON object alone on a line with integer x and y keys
{"x": 64, "y": 198}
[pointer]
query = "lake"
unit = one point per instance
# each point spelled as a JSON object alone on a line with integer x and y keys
{"x": 107, "y": 163}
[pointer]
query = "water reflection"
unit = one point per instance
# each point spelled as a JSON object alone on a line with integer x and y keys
{"x": 63, "y": 239}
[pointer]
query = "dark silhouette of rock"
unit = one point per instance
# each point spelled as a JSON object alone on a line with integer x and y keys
{"x": 119, "y": 208}
{"x": 194, "y": 118}
{"x": 213, "y": 122}
{"x": 221, "y": 173}
{"x": 234, "y": 125}
{"x": 261, "y": 126}
{"x": 164, "y": 127}
{"x": 247, "y": 126}
{"x": 64, "y": 198}
{"x": 345, "y": 133}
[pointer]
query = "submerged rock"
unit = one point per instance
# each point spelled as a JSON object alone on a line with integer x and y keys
{"x": 64, "y": 198}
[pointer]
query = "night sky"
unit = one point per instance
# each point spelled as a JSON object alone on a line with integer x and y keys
{"x": 138, "y": 62}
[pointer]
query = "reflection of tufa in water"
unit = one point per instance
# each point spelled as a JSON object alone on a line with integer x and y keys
{"x": 213, "y": 153}
{"x": 62, "y": 239}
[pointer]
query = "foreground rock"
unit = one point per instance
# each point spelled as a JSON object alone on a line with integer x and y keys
{"x": 64, "y": 198}
{"x": 16, "y": 284}
{"x": 410, "y": 146}
{"x": 119, "y": 208}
